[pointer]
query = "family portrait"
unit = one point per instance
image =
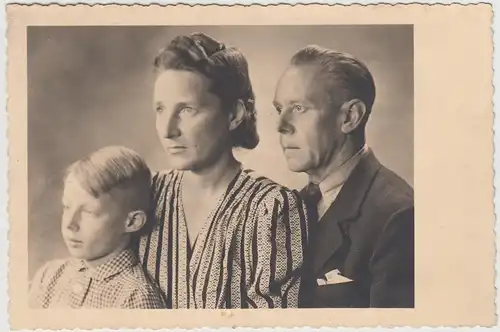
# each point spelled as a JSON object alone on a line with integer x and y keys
{"x": 221, "y": 167}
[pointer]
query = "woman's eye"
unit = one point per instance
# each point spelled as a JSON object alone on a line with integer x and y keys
{"x": 88, "y": 212}
{"x": 159, "y": 109}
{"x": 298, "y": 108}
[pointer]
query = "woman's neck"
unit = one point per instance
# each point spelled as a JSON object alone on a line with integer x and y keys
{"x": 215, "y": 176}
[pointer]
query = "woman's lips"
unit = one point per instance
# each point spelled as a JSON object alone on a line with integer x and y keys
{"x": 176, "y": 149}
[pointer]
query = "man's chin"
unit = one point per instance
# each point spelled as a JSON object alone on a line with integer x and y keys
{"x": 296, "y": 167}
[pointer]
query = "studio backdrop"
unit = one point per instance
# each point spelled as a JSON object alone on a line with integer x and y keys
{"x": 89, "y": 87}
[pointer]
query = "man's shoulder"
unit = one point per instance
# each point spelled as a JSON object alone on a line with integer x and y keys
{"x": 389, "y": 192}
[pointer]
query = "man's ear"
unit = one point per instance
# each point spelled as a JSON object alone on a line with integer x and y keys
{"x": 135, "y": 221}
{"x": 355, "y": 111}
{"x": 237, "y": 116}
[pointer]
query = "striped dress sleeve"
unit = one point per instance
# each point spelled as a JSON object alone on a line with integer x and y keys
{"x": 278, "y": 246}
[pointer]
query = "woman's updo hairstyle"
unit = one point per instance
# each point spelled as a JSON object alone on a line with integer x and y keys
{"x": 227, "y": 70}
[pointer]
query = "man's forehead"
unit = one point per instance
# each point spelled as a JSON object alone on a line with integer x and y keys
{"x": 303, "y": 81}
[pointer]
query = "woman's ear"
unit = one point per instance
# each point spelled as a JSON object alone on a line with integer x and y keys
{"x": 238, "y": 115}
{"x": 135, "y": 221}
{"x": 355, "y": 111}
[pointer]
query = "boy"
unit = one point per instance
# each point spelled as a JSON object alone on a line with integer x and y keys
{"x": 105, "y": 200}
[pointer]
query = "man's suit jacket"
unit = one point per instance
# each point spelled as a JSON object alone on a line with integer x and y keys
{"x": 368, "y": 235}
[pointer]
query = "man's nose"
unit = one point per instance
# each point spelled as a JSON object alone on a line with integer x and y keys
{"x": 170, "y": 125}
{"x": 285, "y": 125}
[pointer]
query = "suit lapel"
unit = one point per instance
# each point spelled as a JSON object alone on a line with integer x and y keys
{"x": 330, "y": 235}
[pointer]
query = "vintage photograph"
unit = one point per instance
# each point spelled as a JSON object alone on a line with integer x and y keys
{"x": 205, "y": 167}
{"x": 232, "y": 166}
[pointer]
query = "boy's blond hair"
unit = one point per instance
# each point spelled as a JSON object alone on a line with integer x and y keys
{"x": 115, "y": 168}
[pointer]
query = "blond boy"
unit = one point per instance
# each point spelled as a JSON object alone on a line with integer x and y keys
{"x": 105, "y": 202}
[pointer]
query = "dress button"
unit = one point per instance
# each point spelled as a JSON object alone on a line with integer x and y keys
{"x": 77, "y": 288}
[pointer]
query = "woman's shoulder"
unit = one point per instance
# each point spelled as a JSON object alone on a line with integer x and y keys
{"x": 162, "y": 174}
{"x": 270, "y": 191}
{"x": 162, "y": 177}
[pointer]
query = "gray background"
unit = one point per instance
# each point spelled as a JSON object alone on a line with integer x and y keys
{"x": 92, "y": 86}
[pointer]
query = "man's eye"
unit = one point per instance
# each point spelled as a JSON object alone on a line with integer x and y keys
{"x": 278, "y": 109}
{"x": 187, "y": 110}
{"x": 297, "y": 108}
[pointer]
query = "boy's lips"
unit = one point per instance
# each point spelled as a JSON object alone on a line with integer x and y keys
{"x": 73, "y": 241}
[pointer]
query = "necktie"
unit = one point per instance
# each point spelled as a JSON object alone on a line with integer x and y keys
{"x": 312, "y": 198}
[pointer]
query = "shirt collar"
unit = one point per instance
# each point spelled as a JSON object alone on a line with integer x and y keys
{"x": 124, "y": 260}
{"x": 337, "y": 178}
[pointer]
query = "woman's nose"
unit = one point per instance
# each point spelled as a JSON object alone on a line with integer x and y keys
{"x": 284, "y": 124}
{"x": 169, "y": 126}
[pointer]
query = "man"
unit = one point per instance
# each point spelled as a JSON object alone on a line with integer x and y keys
{"x": 361, "y": 251}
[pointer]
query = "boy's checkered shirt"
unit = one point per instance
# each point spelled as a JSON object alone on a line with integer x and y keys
{"x": 119, "y": 283}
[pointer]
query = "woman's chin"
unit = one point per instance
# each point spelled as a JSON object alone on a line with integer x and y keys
{"x": 181, "y": 165}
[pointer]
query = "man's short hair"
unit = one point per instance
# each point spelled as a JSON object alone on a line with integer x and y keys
{"x": 346, "y": 73}
{"x": 115, "y": 168}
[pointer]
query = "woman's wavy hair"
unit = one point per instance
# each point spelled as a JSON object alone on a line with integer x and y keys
{"x": 227, "y": 70}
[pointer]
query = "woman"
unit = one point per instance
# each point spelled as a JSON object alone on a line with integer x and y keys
{"x": 224, "y": 236}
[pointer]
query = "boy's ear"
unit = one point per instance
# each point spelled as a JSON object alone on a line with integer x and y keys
{"x": 135, "y": 221}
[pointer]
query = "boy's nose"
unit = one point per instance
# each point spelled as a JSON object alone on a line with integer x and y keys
{"x": 70, "y": 221}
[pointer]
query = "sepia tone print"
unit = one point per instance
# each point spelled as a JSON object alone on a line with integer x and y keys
{"x": 254, "y": 243}
{"x": 231, "y": 166}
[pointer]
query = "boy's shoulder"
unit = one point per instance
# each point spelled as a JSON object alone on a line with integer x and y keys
{"x": 53, "y": 267}
{"x": 50, "y": 273}
{"x": 140, "y": 290}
